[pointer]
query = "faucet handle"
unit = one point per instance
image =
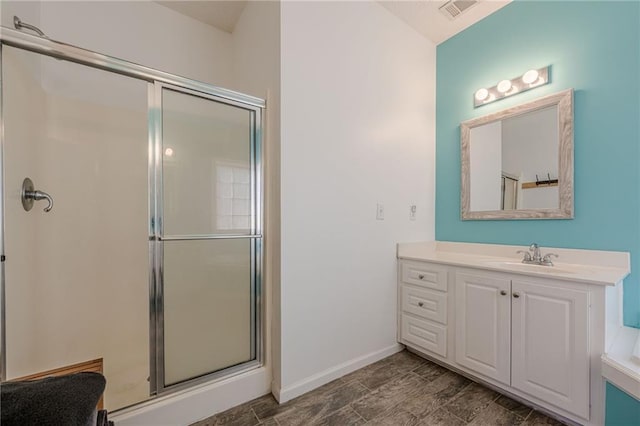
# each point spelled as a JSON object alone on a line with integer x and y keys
{"x": 527, "y": 255}
{"x": 546, "y": 259}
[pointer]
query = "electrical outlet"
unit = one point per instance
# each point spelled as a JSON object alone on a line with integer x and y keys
{"x": 380, "y": 211}
{"x": 412, "y": 212}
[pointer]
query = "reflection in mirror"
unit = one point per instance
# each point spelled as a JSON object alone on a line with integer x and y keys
{"x": 518, "y": 163}
{"x": 510, "y": 157}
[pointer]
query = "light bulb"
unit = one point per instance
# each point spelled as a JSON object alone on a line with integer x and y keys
{"x": 530, "y": 76}
{"x": 482, "y": 94}
{"x": 168, "y": 152}
{"x": 504, "y": 86}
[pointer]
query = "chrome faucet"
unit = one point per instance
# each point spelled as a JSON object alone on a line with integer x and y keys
{"x": 546, "y": 259}
{"x": 534, "y": 257}
{"x": 535, "y": 248}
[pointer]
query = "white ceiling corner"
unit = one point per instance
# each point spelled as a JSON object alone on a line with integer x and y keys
{"x": 222, "y": 14}
{"x": 424, "y": 16}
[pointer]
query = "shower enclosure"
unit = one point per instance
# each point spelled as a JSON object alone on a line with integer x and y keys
{"x": 147, "y": 266}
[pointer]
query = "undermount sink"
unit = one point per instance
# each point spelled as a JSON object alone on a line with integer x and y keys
{"x": 525, "y": 267}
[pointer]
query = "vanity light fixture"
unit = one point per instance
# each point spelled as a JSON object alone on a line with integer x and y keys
{"x": 530, "y": 76}
{"x": 505, "y": 88}
{"x": 482, "y": 94}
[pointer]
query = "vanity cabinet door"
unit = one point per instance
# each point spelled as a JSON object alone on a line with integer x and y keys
{"x": 550, "y": 344}
{"x": 483, "y": 324}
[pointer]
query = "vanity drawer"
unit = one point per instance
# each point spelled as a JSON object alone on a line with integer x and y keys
{"x": 425, "y": 275}
{"x": 425, "y": 334}
{"x": 428, "y": 304}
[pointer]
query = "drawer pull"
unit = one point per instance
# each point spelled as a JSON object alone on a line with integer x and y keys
{"x": 421, "y": 304}
{"x": 421, "y": 276}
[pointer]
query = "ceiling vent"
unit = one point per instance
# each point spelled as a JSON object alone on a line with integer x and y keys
{"x": 453, "y": 8}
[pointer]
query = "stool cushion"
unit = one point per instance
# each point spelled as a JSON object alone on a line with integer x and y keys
{"x": 64, "y": 400}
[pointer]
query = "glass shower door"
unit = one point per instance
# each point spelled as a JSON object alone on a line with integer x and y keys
{"x": 208, "y": 233}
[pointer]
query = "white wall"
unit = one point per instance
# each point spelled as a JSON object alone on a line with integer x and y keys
{"x": 138, "y": 31}
{"x": 28, "y": 11}
{"x": 143, "y": 32}
{"x": 256, "y": 70}
{"x": 485, "y": 169}
{"x": 357, "y": 129}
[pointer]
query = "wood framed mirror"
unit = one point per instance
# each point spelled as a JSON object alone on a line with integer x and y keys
{"x": 518, "y": 163}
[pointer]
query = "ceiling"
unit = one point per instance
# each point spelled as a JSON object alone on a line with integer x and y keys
{"x": 423, "y": 16}
{"x": 220, "y": 14}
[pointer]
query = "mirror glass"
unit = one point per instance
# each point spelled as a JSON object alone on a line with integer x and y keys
{"x": 518, "y": 163}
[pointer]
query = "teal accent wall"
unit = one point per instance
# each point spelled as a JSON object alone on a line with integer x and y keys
{"x": 622, "y": 409}
{"x": 592, "y": 47}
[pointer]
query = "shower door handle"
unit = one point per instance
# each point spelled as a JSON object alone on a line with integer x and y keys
{"x": 29, "y": 195}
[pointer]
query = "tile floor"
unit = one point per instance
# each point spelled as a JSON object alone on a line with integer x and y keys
{"x": 402, "y": 389}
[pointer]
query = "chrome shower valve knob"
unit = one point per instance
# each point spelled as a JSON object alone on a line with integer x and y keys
{"x": 29, "y": 195}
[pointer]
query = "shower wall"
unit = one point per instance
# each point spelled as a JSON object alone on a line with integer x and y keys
{"x": 143, "y": 32}
{"x": 77, "y": 277}
{"x": 28, "y": 100}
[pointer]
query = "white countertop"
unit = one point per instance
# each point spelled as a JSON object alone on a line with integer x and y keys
{"x": 586, "y": 266}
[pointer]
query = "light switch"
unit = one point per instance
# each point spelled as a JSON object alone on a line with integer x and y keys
{"x": 380, "y": 211}
{"x": 412, "y": 212}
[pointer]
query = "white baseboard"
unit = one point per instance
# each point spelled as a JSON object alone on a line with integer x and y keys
{"x": 303, "y": 386}
{"x": 197, "y": 403}
{"x": 191, "y": 405}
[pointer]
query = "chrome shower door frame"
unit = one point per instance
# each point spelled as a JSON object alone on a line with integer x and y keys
{"x": 156, "y": 81}
{"x": 157, "y": 238}
{"x": 3, "y": 334}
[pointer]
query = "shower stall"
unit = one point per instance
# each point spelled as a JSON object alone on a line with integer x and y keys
{"x": 131, "y": 212}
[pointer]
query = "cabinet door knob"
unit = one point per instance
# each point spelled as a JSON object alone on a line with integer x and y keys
{"x": 502, "y": 292}
{"x": 421, "y": 276}
{"x": 516, "y": 295}
{"x": 421, "y": 304}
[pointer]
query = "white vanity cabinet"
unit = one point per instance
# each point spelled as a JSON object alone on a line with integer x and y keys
{"x": 550, "y": 343}
{"x": 424, "y": 305}
{"x": 483, "y": 324}
{"x": 537, "y": 333}
{"x": 530, "y": 334}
